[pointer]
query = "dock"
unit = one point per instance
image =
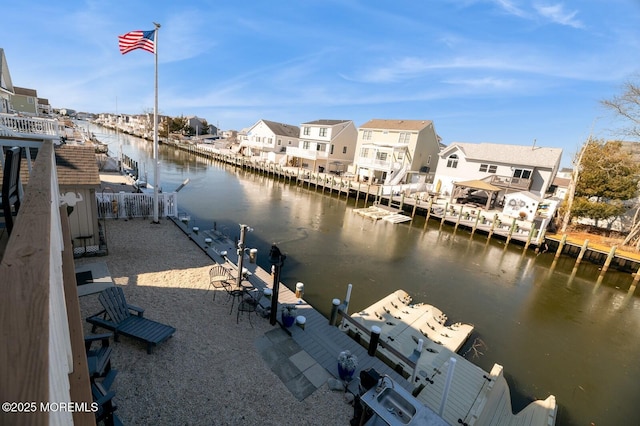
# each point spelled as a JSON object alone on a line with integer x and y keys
{"x": 474, "y": 396}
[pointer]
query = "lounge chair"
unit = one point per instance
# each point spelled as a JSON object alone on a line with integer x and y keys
{"x": 98, "y": 358}
{"x": 117, "y": 316}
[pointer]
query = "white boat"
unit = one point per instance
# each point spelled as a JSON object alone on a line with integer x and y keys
{"x": 473, "y": 396}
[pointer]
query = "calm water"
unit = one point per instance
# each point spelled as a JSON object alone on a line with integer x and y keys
{"x": 554, "y": 333}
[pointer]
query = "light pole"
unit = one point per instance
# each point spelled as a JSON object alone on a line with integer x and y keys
{"x": 241, "y": 248}
{"x": 276, "y": 258}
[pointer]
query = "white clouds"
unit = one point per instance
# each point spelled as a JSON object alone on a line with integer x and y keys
{"x": 557, "y": 14}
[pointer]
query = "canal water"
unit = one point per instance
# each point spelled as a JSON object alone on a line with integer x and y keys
{"x": 554, "y": 331}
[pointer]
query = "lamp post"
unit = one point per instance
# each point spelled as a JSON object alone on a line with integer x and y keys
{"x": 241, "y": 248}
{"x": 276, "y": 258}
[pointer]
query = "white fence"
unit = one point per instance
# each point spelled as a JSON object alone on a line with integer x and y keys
{"x": 13, "y": 125}
{"x": 127, "y": 205}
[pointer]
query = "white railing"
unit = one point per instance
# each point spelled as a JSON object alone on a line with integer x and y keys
{"x": 13, "y": 125}
{"x": 372, "y": 162}
{"x": 310, "y": 154}
{"x": 129, "y": 205}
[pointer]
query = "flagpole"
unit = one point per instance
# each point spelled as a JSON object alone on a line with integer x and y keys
{"x": 156, "y": 177}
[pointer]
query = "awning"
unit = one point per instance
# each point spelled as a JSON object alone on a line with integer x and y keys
{"x": 478, "y": 184}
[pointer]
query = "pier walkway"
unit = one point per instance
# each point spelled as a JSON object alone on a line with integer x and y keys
{"x": 470, "y": 393}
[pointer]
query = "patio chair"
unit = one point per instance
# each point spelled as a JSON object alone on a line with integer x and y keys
{"x": 11, "y": 186}
{"x": 98, "y": 359}
{"x": 117, "y": 316}
{"x": 103, "y": 396}
{"x": 220, "y": 277}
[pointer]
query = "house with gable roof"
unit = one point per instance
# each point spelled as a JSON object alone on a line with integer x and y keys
{"x": 266, "y": 137}
{"x": 324, "y": 145}
{"x": 25, "y": 100}
{"x": 502, "y": 168}
{"x": 6, "y": 87}
{"x": 388, "y": 149}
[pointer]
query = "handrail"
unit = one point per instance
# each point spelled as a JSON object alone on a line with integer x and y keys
{"x": 38, "y": 356}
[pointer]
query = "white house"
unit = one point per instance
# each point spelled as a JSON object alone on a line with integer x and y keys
{"x": 388, "y": 149}
{"x": 507, "y": 168}
{"x": 6, "y": 87}
{"x": 267, "y": 137}
{"x": 324, "y": 145}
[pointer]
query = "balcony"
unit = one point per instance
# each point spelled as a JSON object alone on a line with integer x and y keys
{"x": 40, "y": 313}
{"x": 16, "y": 126}
{"x": 309, "y": 154}
{"x": 509, "y": 182}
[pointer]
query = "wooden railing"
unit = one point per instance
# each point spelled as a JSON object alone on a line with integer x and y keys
{"x": 42, "y": 356}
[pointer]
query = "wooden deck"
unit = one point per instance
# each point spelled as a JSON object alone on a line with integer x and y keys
{"x": 475, "y": 396}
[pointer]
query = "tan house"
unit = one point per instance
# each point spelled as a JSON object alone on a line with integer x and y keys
{"x": 44, "y": 108}
{"x": 324, "y": 145}
{"x": 25, "y": 100}
{"x": 387, "y": 150}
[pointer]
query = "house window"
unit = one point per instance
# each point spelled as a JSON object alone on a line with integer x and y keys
{"x": 323, "y": 131}
{"x": 331, "y": 149}
{"x": 344, "y": 149}
{"x": 318, "y": 147}
{"x": 306, "y": 145}
{"x": 270, "y": 141}
{"x": 452, "y": 161}
{"x": 366, "y": 135}
{"x": 401, "y": 156}
{"x": 382, "y": 156}
{"x": 364, "y": 152}
{"x": 522, "y": 173}
{"x": 488, "y": 168}
{"x": 404, "y": 137}
{"x": 279, "y": 142}
{"x": 306, "y": 131}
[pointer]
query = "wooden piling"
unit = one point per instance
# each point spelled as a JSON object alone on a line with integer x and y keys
{"x": 610, "y": 257}
{"x": 583, "y": 250}
{"x": 444, "y": 214}
{"x": 455, "y": 228}
{"x": 512, "y": 228}
{"x": 426, "y": 221}
{"x": 475, "y": 224}
{"x": 530, "y": 236}
{"x": 563, "y": 241}
{"x": 493, "y": 226}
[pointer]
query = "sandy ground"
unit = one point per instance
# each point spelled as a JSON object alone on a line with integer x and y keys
{"x": 209, "y": 372}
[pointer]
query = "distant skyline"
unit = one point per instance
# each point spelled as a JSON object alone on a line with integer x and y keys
{"x": 499, "y": 71}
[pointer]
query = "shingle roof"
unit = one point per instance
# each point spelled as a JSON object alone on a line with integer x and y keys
{"x": 383, "y": 124}
{"x": 77, "y": 165}
{"x": 326, "y": 122}
{"x": 536, "y": 156}
{"x": 24, "y": 91}
{"x": 282, "y": 129}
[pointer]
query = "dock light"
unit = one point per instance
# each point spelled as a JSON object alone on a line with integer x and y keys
{"x": 195, "y": 229}
{"x": 299, "y": 291}
{"x": 276, "y": 258}
{"x": 253, "y": 255}
{"x": 208, "y": 241}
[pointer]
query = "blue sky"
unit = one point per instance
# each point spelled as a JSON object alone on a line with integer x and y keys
{"x": 501, "y": 71}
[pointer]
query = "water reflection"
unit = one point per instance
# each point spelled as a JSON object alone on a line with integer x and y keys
{"x": 556, "y": 330}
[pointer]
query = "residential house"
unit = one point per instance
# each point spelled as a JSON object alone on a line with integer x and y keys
{"x": 25, "y": 100}
{"x": 44, "y": 108}
{"x": 324, "y": 145}
{"x": 388, "y": 149}
{"x": 6, "y": 87}
{"x": 267, "y": 137}
{"x": 506, "y": 168}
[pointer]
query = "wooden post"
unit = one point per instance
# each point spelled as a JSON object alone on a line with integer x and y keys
{"x": 358, "y": 193}
{"x": 402, "y": 201}
{"x": 511, "y": 229}
{"x": 455, "y": 228}
{"x": 493, "y": 226}
{"x": 366, "y": 200}
{"x": 444, "y": 214}
{"x": 428, "y": 212}
{"x": 475, "y": 225}
{"x": 415, "y": 205}
{"x": 610, "y": 257}
{"x": 563, "y": 241}
{"x": 585, "y": 245}
{"x": 531, "y": 232}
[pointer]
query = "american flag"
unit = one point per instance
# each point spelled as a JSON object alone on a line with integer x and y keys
{"x": 137, "y": 40}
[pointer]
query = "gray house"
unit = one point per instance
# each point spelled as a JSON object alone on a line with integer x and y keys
{"x": 507, "y": 168}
